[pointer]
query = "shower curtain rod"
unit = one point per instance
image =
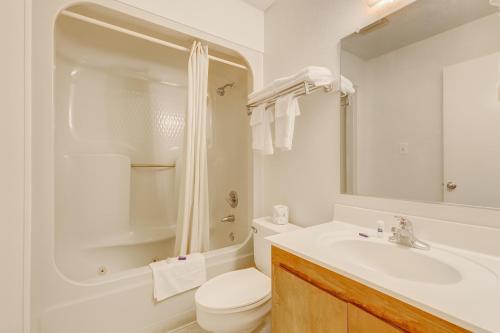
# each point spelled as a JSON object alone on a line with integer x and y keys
{"x": 142, "y": 36}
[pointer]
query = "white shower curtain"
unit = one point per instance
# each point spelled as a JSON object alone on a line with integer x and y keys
{"x": 193, "y": 220}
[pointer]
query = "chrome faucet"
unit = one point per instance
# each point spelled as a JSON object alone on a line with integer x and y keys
{"x": 230, "y": 218}
{"x": 403, "y": 234}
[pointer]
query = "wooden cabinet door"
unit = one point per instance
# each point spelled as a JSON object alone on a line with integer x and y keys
{"x": 360, "y": 321}
{"x": 300, "y": 307}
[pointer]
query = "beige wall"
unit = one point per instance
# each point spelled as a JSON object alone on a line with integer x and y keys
{"x": 233, "y": 20}
{"x": 299, "y": 33}
{"x": 12, "y": 165}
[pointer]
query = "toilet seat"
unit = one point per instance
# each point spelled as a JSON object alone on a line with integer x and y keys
{"x": 234, "y": 291}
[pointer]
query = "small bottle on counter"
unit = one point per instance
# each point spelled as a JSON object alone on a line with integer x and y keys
{"x": 380, "y": 229}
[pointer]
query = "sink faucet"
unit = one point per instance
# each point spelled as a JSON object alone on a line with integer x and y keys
{"x": 403, "y": 234}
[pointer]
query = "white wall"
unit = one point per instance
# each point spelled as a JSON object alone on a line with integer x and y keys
{"x": 12, "y": 165}
{"x": 233, "y": 20}
{"x": 300, "y": 33}
{"x": 401, "y": 100}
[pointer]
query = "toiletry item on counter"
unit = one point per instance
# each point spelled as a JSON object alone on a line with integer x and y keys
{"x": 380, "y": 228}
{"x": 280, "y": 214}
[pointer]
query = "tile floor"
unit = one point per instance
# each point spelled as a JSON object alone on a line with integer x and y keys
{"x": 189, "y": 328}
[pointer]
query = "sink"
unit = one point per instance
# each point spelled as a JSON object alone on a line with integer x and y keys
{"x": 397, "y": 261}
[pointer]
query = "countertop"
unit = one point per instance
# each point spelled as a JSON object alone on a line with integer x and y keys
{"x": 473, "y": 304}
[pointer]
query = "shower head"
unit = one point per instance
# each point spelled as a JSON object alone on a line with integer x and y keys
{"x": 221, "y": 91}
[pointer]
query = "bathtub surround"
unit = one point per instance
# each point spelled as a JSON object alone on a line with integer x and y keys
{"x": 94, "y": 282}
{"x": 193, "y": 220}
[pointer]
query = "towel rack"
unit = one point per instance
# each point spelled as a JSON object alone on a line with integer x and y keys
{"x": 299, "y": 89}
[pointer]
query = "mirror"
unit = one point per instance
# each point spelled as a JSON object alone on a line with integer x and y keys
{"x": 420, "y": 108}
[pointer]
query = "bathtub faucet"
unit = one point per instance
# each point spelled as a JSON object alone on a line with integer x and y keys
{"x": 230, "y": 218}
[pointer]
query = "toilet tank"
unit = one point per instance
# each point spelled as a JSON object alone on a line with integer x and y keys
{"x": 262, "y": 228}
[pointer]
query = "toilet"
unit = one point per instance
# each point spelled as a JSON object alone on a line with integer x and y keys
{"x": 239, "y": 301}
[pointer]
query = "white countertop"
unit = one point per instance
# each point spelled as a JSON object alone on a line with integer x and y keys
{"x": 473, "y": 303}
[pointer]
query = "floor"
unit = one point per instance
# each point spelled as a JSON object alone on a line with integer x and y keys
{"x": 189, "y": 328}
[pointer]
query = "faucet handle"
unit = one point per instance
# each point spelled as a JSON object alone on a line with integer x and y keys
{"x": 404, "y": 222}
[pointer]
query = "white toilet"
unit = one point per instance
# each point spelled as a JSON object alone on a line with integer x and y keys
{"x": 239, "y": 301}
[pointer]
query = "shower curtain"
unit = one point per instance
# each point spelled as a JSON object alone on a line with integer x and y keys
{"x": 193, "y": 220}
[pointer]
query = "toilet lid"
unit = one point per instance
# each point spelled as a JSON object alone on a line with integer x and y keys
{"x": 233, "y": 290}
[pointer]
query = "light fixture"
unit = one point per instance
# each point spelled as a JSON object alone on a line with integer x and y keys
{"x": 372, "y": 3}
{"x": 495, "y": 2}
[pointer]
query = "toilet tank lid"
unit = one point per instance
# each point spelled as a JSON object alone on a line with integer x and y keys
{"x": 265, "y": 226}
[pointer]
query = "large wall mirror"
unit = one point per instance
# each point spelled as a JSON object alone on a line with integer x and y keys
{"x": 420, "y": 108}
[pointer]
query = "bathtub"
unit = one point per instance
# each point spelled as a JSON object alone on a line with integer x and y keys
{"x": 123, "y": 302}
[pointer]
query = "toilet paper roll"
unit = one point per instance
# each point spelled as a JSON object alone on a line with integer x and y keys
{"x": 280, "y": 214}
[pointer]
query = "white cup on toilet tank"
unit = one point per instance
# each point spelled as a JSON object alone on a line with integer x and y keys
{"x": 280, "y": 214}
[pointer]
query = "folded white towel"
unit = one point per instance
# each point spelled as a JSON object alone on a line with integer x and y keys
{"x": 346, "y": 86}
{"x": 313, "y": 74}
{"x": 260, "y": 121}
{"x": 173, "y": 276}
{"x": 286, "y": 109}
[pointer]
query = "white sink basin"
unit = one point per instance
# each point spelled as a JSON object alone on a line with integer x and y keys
{"x": 397, "y": 261}
{"x": 434, "y": 266}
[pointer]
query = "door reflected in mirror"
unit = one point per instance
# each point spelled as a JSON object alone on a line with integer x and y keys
{"x": 420, "y": 108}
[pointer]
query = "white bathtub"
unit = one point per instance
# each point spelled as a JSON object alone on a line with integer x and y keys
{"x": 124, "y": 301}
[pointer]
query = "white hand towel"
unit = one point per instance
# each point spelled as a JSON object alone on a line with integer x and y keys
{"x": 346, "y": 86}
{"x": 286, "y": 109}
{"x": 174, "y": 276}
{"x": 262, "y": 140}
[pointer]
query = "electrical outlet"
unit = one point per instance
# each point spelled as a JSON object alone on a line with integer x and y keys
{"x": 403, "y": 148}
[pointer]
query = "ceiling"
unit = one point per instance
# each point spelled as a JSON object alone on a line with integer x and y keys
{"x": 418, "y": 21}
{"x": 260, "y": 4}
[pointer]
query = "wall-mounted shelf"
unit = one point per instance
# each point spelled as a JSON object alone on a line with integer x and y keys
{"x": 157, "y": 166}
{"x": 137, "y": 236}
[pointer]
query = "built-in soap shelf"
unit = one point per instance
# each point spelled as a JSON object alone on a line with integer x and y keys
{"x": 149, "y": 165}
{"x": 135, "y": 237}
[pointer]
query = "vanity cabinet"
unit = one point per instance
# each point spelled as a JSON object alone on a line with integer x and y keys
{"x": 360, "y": 321}
{"x": 310, "y": 298}
{"x": 299, "y": 306}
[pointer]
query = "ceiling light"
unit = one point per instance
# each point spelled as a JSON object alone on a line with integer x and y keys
{"x": 372, "y": 3}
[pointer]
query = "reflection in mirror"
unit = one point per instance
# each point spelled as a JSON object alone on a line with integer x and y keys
{"x": 420, "y": 115}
